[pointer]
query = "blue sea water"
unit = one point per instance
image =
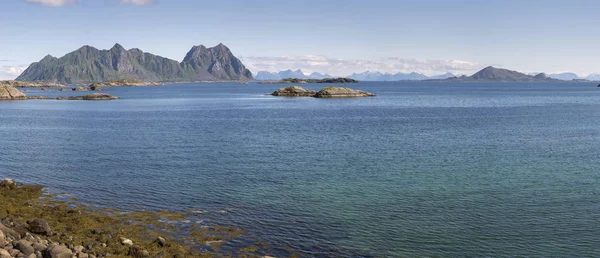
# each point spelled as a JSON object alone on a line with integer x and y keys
{"x": 425, "y": 169}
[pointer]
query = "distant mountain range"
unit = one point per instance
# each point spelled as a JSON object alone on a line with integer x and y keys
{"x": 269, "y": 76}
{"x": 88, "y": 64}
{"x": 365, "y": 76}
{"x": 568, "y": 76}
{"x": 497, "y": 74}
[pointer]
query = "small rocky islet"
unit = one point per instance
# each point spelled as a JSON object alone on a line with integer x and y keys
{"x": 12, "y": 93}
{"x": 328, "y": 92}
{"x": 34, "y": 224}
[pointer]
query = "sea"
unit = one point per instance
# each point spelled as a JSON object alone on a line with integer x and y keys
{"x": 424, "y": 169}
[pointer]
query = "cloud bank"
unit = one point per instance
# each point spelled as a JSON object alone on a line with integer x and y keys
{"x": 8, "y": 72}
{"x": 138, "y": 2}
{"x": 53, "y": 3}
{"x": 341, "y": 67}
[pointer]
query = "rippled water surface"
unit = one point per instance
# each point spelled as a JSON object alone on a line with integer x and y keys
{"x": 423, "y": 169}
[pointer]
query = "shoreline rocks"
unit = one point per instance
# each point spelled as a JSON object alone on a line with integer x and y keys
{"x": 12, "y": 93}
{"x": 35, "y": 225}
{"x": 329, "y": 92}
{"x": 122, "y": 83}
{"x": 22, "y": 84}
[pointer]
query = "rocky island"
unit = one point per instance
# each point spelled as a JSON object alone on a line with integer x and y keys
{"x": 123, "y": 82}
{"x": 12, "y": 93}
{"x": 493, "y": 74}
{"x": 303, "y": 81}
{"x": 329, "y": 92}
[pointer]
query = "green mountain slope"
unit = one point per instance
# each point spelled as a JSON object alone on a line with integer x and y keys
{"x": 88, "y": 65}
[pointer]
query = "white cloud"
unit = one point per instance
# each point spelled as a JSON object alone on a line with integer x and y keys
{"x": 53, "y": 3}
{"x": 341, "y": 67}
{"x": 138, "y": 2}
{"x": 8, "y": 72}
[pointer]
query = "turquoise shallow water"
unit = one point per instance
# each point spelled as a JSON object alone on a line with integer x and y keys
{"x": 423, "y": 169}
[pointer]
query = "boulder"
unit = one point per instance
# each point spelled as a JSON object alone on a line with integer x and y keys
{"x": 40, "y": 227}
{"x": 341, "y": 92}
{"x": 24, "y": 246}
{"x": 57, "y": 251}
{"x": 294, "y": 91}
{"x": 4, "y": 254}
{"x": 9, "y": 233}
{"x": 8, "y": 183}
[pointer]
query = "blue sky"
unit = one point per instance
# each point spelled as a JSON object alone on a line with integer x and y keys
{"x": 335, "y": 36}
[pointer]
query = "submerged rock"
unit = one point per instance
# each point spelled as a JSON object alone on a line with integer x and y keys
{"x": 341, "y": 92}
{"x": 294, "y": 91}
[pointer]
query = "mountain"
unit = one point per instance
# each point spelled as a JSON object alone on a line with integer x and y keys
{"x": 565, "y": 76}
{"x": 593, "y": 77}
{"x": 88, "y": 64}
{"x": 496, "y": 74}
{"x": 271, "y": 76}
{"x": 267, "y": 76}
{"x": 367, "y": 76}
{"x": 319, "y": 76}
{"x": 442, "y": 76}
{"x": 377, "y": 76}
{"x": 292, "y": 74}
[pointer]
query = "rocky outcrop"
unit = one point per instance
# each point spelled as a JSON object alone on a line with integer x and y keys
{"x": 99, "y": 96}
{"x": 20, "y": 84}
{"x": 294, "y": 91}
{"x": 120, "y": 83}
{"x": 341, "y": 92}
{"x": 80, "y": 89}
{"x": 35, "y": 225}
{"x": 11, "y": 93}
{"x": 329, "y": 92}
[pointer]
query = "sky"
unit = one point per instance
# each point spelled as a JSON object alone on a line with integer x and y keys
{"x": 338, "y": 37}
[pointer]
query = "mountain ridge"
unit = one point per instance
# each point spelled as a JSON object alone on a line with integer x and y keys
{"x": 89, "y": 64}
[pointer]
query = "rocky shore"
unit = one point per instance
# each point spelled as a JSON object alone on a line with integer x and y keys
{"x": 35, "y": 225}
{"x": 329, "y": 92}
{"x": 12, "y": 93}
{"x": 124, "y": 82}
{"x": 21, "y": 84}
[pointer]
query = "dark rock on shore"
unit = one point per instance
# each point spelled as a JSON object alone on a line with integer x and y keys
{"x": 294, "y": 91}
{"x": 27, "y": 215}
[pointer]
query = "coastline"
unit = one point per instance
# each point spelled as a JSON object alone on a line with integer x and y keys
{"x": 33, "y": 222}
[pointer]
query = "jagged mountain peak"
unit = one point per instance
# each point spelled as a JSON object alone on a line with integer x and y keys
{"x": 88, "y": 64}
